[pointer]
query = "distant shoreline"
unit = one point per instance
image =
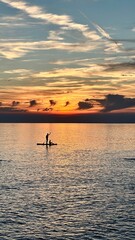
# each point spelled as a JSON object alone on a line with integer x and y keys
{"x": 74, "y": 118}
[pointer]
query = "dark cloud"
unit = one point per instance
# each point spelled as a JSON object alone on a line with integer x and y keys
{"x": 120, "y": 66}
{"x": 11, "y": 109}
{"x": 14, "y": 103}
{"x": 115, "y": 102}
{"x": 84, "y": 105}
{"x": 87, "y": 100}
{"x": 52, "y": 102}
{"x": 47, "y": 109}
{"x": 32, "y": 103}
{"x": 0, "y": 103}
{"x": 67, "y": 103}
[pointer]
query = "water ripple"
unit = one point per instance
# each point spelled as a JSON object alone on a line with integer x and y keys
{"x": 83, "y": 191}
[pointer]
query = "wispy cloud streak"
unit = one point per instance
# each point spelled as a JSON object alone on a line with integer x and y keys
{"x": 65, "y": 21}
{"x": 108, "y": 37}
{"x": 114, "y": 45}
{"x": 11, "y": 50}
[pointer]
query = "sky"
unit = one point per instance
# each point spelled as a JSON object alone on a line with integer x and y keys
{"x": 67, "y": 56}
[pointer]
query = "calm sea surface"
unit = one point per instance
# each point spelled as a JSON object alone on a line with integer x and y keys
{"x": 83, "y": 188}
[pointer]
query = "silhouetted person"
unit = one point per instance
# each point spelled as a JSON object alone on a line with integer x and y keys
{"x": 47, "y": 136}
{"x": 50, "y": 142}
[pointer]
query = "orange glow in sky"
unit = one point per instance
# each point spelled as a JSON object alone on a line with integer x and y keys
{"x": 57, "y": 59}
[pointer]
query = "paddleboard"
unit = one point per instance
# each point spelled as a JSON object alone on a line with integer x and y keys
{"x": 46, "y": 144}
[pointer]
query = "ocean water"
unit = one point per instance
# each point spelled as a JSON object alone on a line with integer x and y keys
{"x": 83, "y": 188}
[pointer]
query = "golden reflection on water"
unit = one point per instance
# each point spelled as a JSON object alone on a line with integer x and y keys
{"x": 71, "y": 136}
{"x": 82, "y": 186}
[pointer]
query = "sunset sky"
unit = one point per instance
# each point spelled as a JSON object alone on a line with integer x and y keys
{"x": 67, "y": 56}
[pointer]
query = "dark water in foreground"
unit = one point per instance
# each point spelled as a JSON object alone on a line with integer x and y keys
{"x": 83, "y": 188}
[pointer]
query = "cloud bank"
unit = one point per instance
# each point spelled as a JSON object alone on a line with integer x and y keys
{"x": 83, "y": 105}
{"x": 116, "y": 102}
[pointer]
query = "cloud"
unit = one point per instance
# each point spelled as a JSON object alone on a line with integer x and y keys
{"x": 87, "y": 100}
{"x": 67, "y": 103}
{"x": 11, "y": 25}
{"x": 11, "y": 50}
{"x": 103, "y": 32}
{"x": 125, "y": 66}
{"x": 84, "y": 105}
{"x": 15, "y": 103}
{"x": 11, "y": 109}
{"x": 33, "y": 103}
{"x": 47, "y": 109}
{"x": 18, "y": 71}
{"x": 115, "y": 102}
{"x": 12, "y": 21}
{"x": 55, "y": 35}
{"x": 52, "y": 102}
{"x": 65, "y": 21}
{"x": 114, "y": 44}
{"x": 72, "y": 72}
{"x": 78, "y": 62}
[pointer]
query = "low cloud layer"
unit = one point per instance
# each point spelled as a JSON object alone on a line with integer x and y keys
{"x": 83, "y": 105}
{"x": 11, "y": 110}
{"x": 52, "y": 102}
{"x": 33, "y": 103}
{"x": 15, "y": 103}
{"x": 116, "y": 102}
{"x": 47, "y": 109}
